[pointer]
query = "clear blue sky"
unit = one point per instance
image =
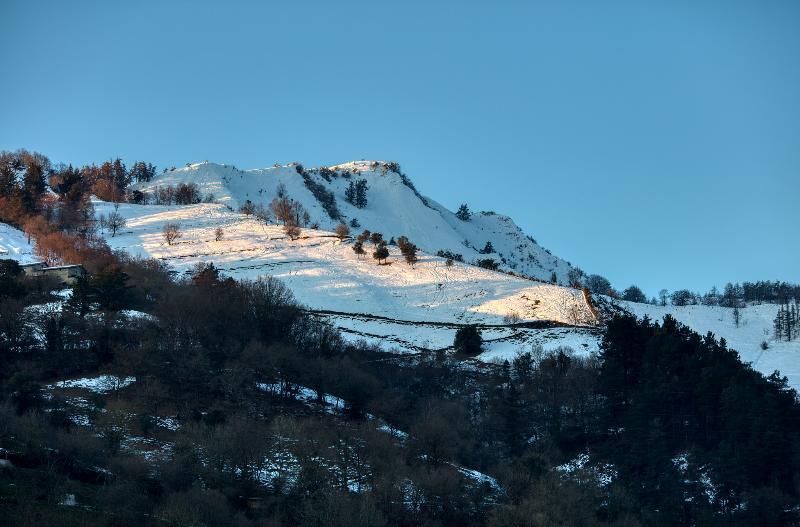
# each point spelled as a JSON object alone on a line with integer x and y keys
{"x": 656, "y": 143}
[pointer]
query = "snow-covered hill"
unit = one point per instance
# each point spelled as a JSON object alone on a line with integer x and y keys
{"x": 396, "y": 305}
{"x": 14, "y": 245}
{"x": 394, "y": 208}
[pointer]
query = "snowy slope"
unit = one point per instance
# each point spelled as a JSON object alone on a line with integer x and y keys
{"x": 398, "y": 306}
{"x": 14, "y": 245}
{"x": 755, "y": 326}
{"x": 394, "y": 208}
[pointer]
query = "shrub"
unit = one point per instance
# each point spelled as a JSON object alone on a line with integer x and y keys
{"x": 292, "y": 231}
{"x": 487, "y": 263}
{"x": 443, "y": 253}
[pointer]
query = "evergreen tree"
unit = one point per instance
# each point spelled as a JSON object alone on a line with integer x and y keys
{"x": 409, "y": 251}
{"x": 350, "y": 193}
{"x": 364, "y": 236}
{"x": 33, "y": 183}
{"x": 463, "y": 213}
{"x": 361, "y": 193}
{"x": 358, "y": 248}
{"x": 109, "y": 288}
{"x": 381, "y": 252}
{"x": 487, "y": 249}
{"x": 468, "y": 341}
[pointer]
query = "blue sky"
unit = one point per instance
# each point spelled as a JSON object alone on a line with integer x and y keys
{"x": 656, "y": 143}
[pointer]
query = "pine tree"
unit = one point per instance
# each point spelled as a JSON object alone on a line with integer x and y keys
{"x": 381, "y": 252}
{"x": 409, "y": 251}
{"x": 358, "y": 248}
{"x": 468, "y": 341}
{"x": 487, "y": 249}
{"x": 350, "y": 193}
{"x": 364, "y": 236}
{"x": 361, "y": 193}
{"x": 463, "y": 213}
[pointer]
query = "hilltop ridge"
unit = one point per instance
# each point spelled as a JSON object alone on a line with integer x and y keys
{"x": 393, "y": 206}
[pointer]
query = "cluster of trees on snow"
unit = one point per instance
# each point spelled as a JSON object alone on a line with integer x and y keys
{"x": 734, "y": 295}
{"x": 356, "y": 193}
{"x": 381, "y": 249}
{"x": 180, "y": 194}
{"x": 26, "y": 176}
{"x": 323, "y": 195}
{"x": 450, "y": 255}
{"x": 408, "y": 250}
{"x": 290, "y": 213}
{"x": 786, "y": 322}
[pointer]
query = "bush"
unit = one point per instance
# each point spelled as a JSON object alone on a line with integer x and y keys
{"x": 444, "y": 253}
{"x": 487, "y": 263}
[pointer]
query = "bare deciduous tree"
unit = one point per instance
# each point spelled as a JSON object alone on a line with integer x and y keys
{"x": 172, "y": 231}
{"x": 342, "y": 231}
{"x": 115, "y": 221}
{"x": 292, "y": 231}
